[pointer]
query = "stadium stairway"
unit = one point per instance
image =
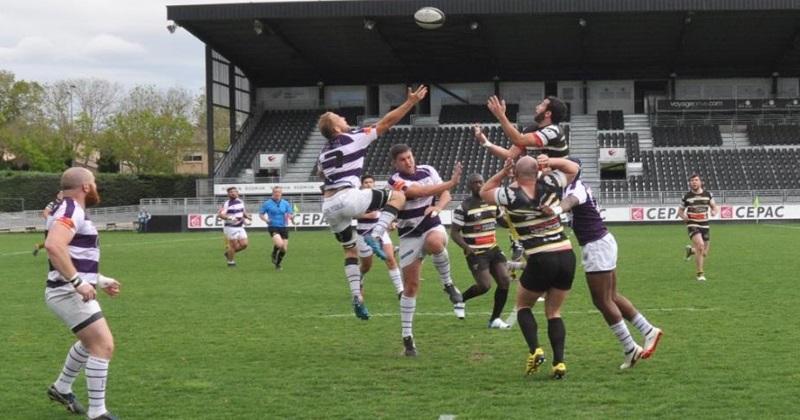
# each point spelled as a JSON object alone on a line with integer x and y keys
{"x": 640, "y": 124}
{"x": 301, "y": 170}
{"x": 734, "y": 136}
{"x": 583, "y": 145}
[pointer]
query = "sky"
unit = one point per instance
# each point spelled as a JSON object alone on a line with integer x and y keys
{"x": 124, "y": 41}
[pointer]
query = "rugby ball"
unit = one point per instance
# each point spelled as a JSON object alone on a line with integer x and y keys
{"x": 429, "y": 18}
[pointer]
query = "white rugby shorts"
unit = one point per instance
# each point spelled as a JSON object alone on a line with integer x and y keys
{"x": 600, "y": 255}
{"x": 69, "y": 306}
{"x": 236, "y": 233}
{"x": 364, "y": 250}
{"x": 413, "y": 248}
{"x": 344, "y": 206}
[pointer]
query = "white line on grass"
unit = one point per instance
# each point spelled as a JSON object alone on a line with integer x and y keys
{"x": 589, "y": 312}
{"x": 11, "y": 254}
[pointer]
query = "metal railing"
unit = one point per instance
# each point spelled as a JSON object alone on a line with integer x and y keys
{"x": 238, "y": 142}
{"x": 101, "y": 216}
{"x": 607, "y": 198}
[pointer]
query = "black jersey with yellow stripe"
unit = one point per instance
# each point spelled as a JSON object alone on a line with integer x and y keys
{"x": 478, "y": 222}
{"x": 537, "y": 231}
{"x": 697, "y": 207}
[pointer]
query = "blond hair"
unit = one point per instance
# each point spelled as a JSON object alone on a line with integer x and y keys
{"x": 326, "y": 126}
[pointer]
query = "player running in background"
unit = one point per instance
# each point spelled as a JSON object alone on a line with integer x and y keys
{"x": 277, "y": 213}
{"x": 47, "y": 214}
{"x": 473, "y": 229}
{"x": 74, "y": 255}
{"x": 599, "y": 250}
{"x": 695, "y": 207}
{"x": 365, "y": 224}
{"x": 234, "y": 215}
{"x": 551, "y": 262}
{"x": 421, "y": 233}
{"x": 341, "y": 165}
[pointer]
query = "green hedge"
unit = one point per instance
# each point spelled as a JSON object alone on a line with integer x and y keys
{"x": 115, "y": 189}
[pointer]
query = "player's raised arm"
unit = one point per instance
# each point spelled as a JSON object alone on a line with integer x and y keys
{"x": 394, "y": 116}
{"x": 494, "y": 149}
{"x": 489, "y": 188}
{"x": 498, "y": 108}
{"x": 417, "y": 191}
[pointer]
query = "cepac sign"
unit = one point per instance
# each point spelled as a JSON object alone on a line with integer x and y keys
{"x": 726, "y": 212}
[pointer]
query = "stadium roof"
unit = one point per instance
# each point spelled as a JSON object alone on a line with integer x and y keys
{"x": 302, "y": 43}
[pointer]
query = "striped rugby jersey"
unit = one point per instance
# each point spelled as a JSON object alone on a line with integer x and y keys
{"x": 367, "y": 221}
{"x": 84, "y": 248}
{"x": 537, "y": 231}
{"x": 478, "y": 221}
{"x": 411, "y": 220}
{"x": 697, "y": 206}
{"x": 234, "y": 208}
{"x": 553, "y": 140}
{"x": 342, "y": 159}
{"x": 587, "y": 223}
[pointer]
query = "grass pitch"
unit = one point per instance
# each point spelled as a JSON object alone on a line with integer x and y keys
{"x": 196, "y": 339}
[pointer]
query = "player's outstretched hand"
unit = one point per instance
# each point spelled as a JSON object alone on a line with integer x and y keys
{"x": 456, "y": 177}
{"x": 417, "y": 95}
{"x": 496, "y": 106}
{"x": 543, "y": 160}
{"x": 508, "y": 166}
{"x": 478, "y": 133}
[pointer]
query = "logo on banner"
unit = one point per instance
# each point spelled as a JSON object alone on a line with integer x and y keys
{"x": 726, "y": 212}
{"x": 637, "y": 213}
{"x": 195, "y": 221}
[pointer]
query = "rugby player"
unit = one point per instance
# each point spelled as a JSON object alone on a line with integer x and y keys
{"x": 234, "y": 214}
{"x": 73, "y": 253}
{"x": 473, "y": 229}
{"x": 551, "y": 262}
{"x": 694, "y": 210}
{"x": 341, "y": 165}
{"x": 421, "y": 233}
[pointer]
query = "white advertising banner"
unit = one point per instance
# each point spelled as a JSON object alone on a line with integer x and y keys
{"x": 726, "y": 212}
{"x": 611, "y": 155}
{"x": 288, "y": 188}
{"x": 301, "y": 220}
{"x": 271, "y": 160}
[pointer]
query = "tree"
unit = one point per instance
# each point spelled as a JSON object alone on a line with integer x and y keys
{"x": 222, "y": 137}
{"x": 146, "y": 141}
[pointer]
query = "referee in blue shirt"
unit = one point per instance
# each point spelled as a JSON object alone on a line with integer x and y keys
{"x": 277, "y": 212}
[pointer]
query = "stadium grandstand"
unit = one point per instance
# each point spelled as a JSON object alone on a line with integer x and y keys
{"x": 676, "y": 87}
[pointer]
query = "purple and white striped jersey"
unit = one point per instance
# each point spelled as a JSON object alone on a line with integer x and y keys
{"x": 587, "y": 223}
{"x": 84, "y": 248}
{"x": 411, "y": 220}
{"x": 342, "y": 159}
{"x": 367, "y": 221}
{"x": 234, "y": 208}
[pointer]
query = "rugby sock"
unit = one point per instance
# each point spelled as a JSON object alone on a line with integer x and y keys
{"x": 76, "y": 359}
{"x": 472, "y": 292}
{"x": 281, "y": 254}
{"x": 397, "y": 279}
{"x": 274, "y": 252}
{"x": 353, "y": 274}
{"x": 442, "y": 263}
{"x": 641, "y": 324}
{"x": 500, "y": 297}
{"x": 623, "y": 335}
{"x": 96, "y": 374}
{"x": 407, "y": 307}
{"x": 558, "y": 335}
{"x": 527, "y": 324}
{"x": 388, "y": 215}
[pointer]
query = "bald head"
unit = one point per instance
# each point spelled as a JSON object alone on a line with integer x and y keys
{"x": 526, "y": 168}
{"x": 75, "y": 178}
